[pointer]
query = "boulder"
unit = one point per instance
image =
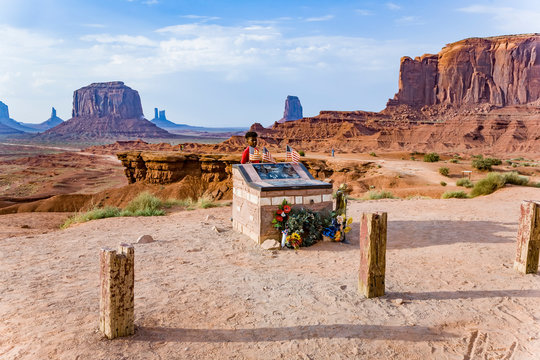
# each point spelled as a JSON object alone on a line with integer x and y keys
{"x": 271, "y": 245}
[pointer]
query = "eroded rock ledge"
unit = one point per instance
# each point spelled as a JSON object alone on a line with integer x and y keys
{"x": 212, "y": 174}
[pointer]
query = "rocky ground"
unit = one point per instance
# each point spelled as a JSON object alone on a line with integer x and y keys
{"x": 451, "y": 292}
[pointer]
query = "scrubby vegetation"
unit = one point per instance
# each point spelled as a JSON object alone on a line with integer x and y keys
{"x": 373, "y": 154}
{"x": 444, "y": 171}
{"x": 443, "y": 183}
{"x": 455, "y": 194}
{"x": 301, "y": 153}
{"x": 377, "y": 195}
{"x": 465, "y": 183}
{"x": 145, "y": 204}
{"x": 431, "y": 157}
{"x": 494, "y": 181}
{"x": 484, "y": 164}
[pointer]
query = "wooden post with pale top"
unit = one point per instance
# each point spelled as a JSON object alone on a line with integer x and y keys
{"x": 528, "y": 238}
{"x": 372, "y": 254}
{"x": 117, "y": 278}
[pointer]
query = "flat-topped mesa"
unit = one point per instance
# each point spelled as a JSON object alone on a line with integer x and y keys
{"x": 107, "y": 99}
{"x": 500, "y": 71}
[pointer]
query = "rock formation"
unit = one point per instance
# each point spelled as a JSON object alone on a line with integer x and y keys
{"x": 106, "y": 111}
{"x": 47, "y": 124}
{"x": 501, "y": 70}
{"x": 293, "y": 109}
{"x": 10, "y": 126}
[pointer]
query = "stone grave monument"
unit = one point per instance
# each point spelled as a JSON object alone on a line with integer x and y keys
{"x": 259, "y": 189}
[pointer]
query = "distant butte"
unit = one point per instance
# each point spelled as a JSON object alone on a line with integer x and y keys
{"x": 108, "y": 110}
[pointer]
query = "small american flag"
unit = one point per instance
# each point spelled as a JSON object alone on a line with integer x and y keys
{"x": 254, "y": 154}
{"x": 292, "y": 155}
{"x": 266, "y": 156}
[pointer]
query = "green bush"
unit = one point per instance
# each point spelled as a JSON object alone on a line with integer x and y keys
{"x": 444, "y": 171}
{"x": 377, "y": 195}
{"x": 485, "y": 164}
{"x": 373, "y": 154}
{"x": 94, "y": 214}
{"x": 465, "y": 183}
{"x": 487, "y": 185}
{"x": 443, "y": 183}
{"x": 455, "y": 194}
{"x": 431, "y": 157}
{"x": 515, "y": 179}
{"x": 454, "y": 161}
{"x": 494, "y": 181}
{"x": 301, "y": 153}
{"x": 145, "y": 204}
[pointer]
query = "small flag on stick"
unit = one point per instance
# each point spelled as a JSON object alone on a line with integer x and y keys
{"x": 254, "y": 155}
{"x": 266, "y": 156}
{"x": 292, "y": 155}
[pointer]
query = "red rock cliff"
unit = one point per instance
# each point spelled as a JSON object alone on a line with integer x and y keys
{"x": 501, "y": 70}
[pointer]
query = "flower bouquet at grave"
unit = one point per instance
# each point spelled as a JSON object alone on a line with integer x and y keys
{"x": 281, "y": 216}
{"x": 339, "y": 227}
{"x": 307, "y": 225}
{"x": 294, "y": 241}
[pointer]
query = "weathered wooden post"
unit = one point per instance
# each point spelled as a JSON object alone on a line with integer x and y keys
{"x": 117, "y": 278}
{"x": 372, "y": 254}
{"x": 528, "y": 238}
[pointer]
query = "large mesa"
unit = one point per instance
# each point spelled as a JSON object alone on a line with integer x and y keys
{"x": 108, "y": 110}
{"x": 500, "y": 71}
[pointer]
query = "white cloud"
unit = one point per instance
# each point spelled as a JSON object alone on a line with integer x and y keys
{"x": 364, "y": 12}
{"x": 511, "y": 19}
{"x": 408, "y": 20}
{"x": 392, "y": 6}
{"x": 321, "y": 18}
{"x": 202, "y": 18}
{"x": 120, "y": 39}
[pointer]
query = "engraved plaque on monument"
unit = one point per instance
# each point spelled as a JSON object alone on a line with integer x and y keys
{"x": 259, "y": 189}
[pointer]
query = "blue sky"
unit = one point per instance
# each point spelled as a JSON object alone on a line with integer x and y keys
{"x": 231, "y": 63}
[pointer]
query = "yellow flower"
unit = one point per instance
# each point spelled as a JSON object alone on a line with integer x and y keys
{"x": 347, "y": 229}
{"x": 349, "y": 221}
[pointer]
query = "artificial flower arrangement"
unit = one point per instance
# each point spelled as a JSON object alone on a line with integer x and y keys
{"x": 337, "y": 230}
{"x": 281, "y": 216}
{"x": 294, "y": 240}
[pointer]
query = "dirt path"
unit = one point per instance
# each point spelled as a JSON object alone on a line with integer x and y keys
{"x": 451, "y": 289}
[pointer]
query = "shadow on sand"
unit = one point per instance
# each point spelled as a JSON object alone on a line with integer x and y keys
{"x": 467, "y": 294}
{"x": 348, "y": 331}
{"x": 417, "y": 234}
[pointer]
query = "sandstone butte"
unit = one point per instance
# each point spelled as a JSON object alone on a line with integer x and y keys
{"x": 478, "y": 95}
{"x": 108, "y": 110}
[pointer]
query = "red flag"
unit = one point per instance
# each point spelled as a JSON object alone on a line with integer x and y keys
{"x": 292, "y": 155}
{"x": 266, "y": 156}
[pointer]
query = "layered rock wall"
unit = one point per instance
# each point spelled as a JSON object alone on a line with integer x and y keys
{"x": 107, "y": 99}
{"x": 501, "y": 71}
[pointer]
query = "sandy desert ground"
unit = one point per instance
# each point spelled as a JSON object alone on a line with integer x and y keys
{"x": 451, "y": 290}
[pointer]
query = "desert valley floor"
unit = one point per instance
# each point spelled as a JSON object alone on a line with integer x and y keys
{"x": 451, "y": 291}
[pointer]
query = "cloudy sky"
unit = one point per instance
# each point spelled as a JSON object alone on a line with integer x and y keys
{"x": 231, "y": 63}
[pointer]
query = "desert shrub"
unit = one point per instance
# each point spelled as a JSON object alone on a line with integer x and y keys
{"x": 187, "y": 203}
{"x": 377, "y": 195}
{"x": 373, "y": 154}
{"x": 489, "y": 184}
{"x": 94, "y": 214}
{"x": 443, "y": 183}
{"x": 514, "y": 165}
{"x": 431, "y": 157}
{"x": 509, "y": 162}
{"x": 444, "y": 171}
{"x": 454, "y": 161}
{"x": 455, "y": 194}
{"x": 205, "y": 202}
{"x": 413, "y": 158}
{"x": 484, "y": 164}
{"x": 465, "y": 183}
{"x": 515, "y": 179}
{"x": 301, "y": 153}
{"x": 145, "y": 204}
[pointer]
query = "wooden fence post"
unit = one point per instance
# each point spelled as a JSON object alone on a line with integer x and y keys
{"x": 372, "y": 254}
{"x": 117, "y": 278}
{"x": 528, "y": 238}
